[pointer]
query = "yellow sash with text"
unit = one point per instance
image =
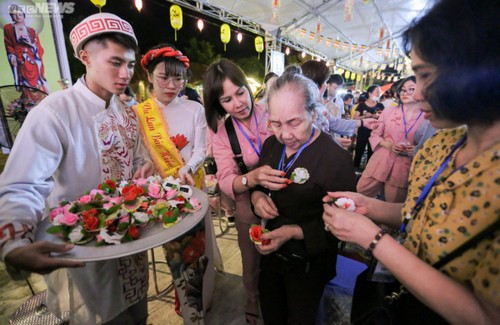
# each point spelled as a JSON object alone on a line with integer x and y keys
{"x": 165, "y": 155}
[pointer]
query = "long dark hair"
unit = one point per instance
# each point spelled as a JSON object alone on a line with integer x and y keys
{"x": 462, "y": 39}
{"x": 213, "y": 89}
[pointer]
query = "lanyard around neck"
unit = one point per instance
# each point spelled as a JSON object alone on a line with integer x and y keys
{"x": 297, "y": 154}
{"x": 257, "y": 151}
{"x": 430, "y": 184}
{"x": 404, "y": 121}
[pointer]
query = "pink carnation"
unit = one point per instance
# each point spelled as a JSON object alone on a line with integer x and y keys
{"x": 125, "y": 219}
{"x": 85, "y": 199}
{"x": 96, "y": 191}
{"x": 69, "y": 219}
{"x": 171, "y": 194}
{"x": 141, "y": 181}
{"x": 195, "y": 203}
{"x": 107, "y": 205}
{"x": 154, "y": 190}
{"x": 115, "y": 200}
{"x": 55, "y": 212}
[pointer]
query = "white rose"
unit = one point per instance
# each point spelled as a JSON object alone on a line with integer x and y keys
{"x": 345, "y": 203}
{"x": 112, "y": 238}
{"x": 76, "y": 234}
{"x": 141, "y": 217}
{"x": 300, "y": 175}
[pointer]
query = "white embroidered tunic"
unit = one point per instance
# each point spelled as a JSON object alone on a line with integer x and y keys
{"x": 68, "y": 145}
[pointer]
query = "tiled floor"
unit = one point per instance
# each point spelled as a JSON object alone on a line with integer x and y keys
{"x": 228, "y": 303}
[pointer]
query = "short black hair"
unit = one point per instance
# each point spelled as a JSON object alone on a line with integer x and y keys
{"x": 347, "y": 96}
{"x": 335, "y": 79}
{"x": 462, "y": 39}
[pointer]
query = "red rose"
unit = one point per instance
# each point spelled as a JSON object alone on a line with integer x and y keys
{"x": 131, "y": 196}
{"x": 256, "y": 232}
{"x": 111, "y": 184}
{"x": 132, "y": 192}
{"x": 133, "y": 232}
{"x": 89, "y": 213}
{"x": 90, "y": 223}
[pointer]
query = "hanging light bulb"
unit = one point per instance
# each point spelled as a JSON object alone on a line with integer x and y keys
{"x": 138, "y": 5}
{"x": 239, "y": 37}
{"x": 287, "y": 51}
{"x": 303, "y": 54}
{"x": 200, "y": 24}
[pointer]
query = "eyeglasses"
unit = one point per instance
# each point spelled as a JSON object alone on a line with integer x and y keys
{"x": 164, "y": 81}
{"x": 408, "y": 91}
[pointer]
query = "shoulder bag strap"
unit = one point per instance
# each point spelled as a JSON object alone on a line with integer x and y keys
{"x": 471, "y": 242}
{"x": 235, "y": 145}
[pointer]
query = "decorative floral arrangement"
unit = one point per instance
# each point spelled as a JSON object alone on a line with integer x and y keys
{"x": 299, "y": 175}
{"x": 343, "y": 203}
{"x": 115, "y": 212}
{"x": 256, "y": 232}
{"x": 19, "y": 108}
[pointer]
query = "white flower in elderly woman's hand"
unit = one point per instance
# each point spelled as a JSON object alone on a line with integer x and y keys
{"x": 344, "y": 203}
{"x": 300, "y": 175}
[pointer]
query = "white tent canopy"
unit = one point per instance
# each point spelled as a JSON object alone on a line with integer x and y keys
{"x": 367, "y": 39}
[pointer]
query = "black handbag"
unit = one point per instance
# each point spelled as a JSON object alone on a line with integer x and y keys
{"x": 390, "y": 303}
{"x": 210, "y": 166}
{"x": 292, "y": 251}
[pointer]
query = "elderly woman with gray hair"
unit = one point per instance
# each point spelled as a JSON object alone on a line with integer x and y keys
{"x": 300, "y": 257}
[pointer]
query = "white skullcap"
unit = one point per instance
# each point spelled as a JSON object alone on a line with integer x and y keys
{"x": 98, "y": 24}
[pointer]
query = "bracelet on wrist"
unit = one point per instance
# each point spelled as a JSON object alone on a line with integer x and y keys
{"x": 375, "y": 241}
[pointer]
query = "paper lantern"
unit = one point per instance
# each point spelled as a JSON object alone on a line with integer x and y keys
{"x": 259, "y": 45}
{"x": 176, "y": 18}
{"x": 138, "y": 5}
{"x": 239, "y": 37}
{"x": 99, "y": 3}
{"x": 200, "y": 24}
{"x": 225, "y": 34}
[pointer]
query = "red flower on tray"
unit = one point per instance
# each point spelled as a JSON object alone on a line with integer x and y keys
{"x": 116, "y": 212}
{"x": 180, "y": 141}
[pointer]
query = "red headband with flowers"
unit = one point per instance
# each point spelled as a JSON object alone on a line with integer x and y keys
{"x": 166, "y": 52}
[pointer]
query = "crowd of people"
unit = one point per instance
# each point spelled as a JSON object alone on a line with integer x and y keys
{"x": 430, "y": 182}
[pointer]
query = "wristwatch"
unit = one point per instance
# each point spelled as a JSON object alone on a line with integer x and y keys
{"x": 244, "y": 181}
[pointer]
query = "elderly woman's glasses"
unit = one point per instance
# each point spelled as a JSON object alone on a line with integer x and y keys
{"x": 164, "y": 81}
{"x": 408, "y": 91}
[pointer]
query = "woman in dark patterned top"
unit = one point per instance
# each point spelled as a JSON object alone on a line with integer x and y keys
{"x": 291, "y": 286}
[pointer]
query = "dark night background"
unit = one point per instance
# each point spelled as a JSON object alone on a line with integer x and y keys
{"x": 152, "y": 26}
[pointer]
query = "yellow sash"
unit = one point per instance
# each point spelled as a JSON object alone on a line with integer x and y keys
{"x": 154, "y": 128}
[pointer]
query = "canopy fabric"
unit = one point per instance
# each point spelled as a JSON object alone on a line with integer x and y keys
{"x": 369, "y": 37}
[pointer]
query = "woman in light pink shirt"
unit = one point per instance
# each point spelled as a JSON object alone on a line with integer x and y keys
{"x": 392, "y": 144}
{"x": 226, "y": 92}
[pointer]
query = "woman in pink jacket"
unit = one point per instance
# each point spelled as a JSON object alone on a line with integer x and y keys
{"x": 392, "y": 144}
{"x": 226, "y": 93}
